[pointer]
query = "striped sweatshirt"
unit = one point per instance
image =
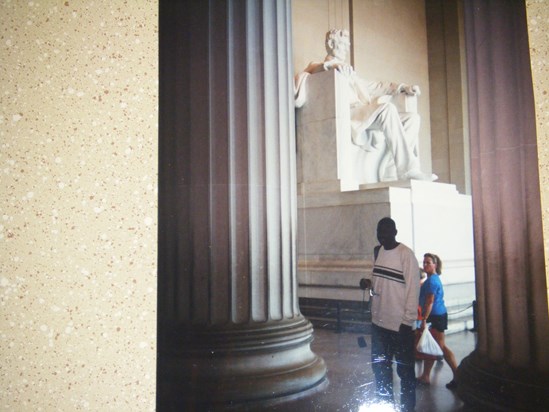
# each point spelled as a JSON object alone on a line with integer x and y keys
{"x": 395, "y": 287}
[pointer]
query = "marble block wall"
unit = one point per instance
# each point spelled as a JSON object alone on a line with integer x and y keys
{"x": 78, "y": 205}
{"x": 337, "y": 234}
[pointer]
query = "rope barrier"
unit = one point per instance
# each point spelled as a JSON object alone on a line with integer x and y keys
{"x": 461, "y": 310}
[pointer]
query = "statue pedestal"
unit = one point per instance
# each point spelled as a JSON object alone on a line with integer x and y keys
{"x": 337, "y": 235}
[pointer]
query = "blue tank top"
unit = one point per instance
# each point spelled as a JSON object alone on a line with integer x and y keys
{"x": 433, "y": 286}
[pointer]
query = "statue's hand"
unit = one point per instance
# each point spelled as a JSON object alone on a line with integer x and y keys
{"x": 411, "y": 90}
{"x": 343, "y": 68}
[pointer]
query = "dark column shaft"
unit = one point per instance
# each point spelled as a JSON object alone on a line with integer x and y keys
{"x": 511, "y": 361}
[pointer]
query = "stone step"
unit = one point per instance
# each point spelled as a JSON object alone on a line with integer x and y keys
{"x": 353, "y": 316}
{"x": 339, "y": 315}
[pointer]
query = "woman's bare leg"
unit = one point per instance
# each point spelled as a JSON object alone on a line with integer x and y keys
{"x": 427, "y": 366}
{"x": 447, "y": 353}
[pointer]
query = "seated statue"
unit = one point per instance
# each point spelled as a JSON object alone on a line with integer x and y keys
{"x": 372, "y": 112}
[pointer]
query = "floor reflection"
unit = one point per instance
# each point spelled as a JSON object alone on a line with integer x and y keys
{"x": 351, "y": 382}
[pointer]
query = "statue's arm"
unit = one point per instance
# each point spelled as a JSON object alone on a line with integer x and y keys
{"x": 390, "y": 88}
{"x": 314, "y": 67}
{"x": 329, "y": 64}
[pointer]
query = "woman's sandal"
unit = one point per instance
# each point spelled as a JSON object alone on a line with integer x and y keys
{"x": 452, "y": 385}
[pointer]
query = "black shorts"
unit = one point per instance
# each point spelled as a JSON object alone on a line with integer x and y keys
{"x": 439, "y": 322}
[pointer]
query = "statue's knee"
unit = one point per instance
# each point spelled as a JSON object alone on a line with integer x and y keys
{"x": 389, "y": 111}
{"x": 414, "y": 117}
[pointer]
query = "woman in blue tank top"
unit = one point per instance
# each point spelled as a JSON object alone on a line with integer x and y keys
{"x": 433, "y": 309}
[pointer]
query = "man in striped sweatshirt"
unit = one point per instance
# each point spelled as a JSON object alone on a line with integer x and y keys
{"x": 395, "y": 297}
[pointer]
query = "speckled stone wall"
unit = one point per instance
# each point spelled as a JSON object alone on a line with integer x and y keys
{"x": 78, "y": 181}
{"x": 538, "y": 32}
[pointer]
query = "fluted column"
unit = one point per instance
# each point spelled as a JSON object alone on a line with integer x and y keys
{"x": 509, "y": 368}
{"x": 229, "y": 325}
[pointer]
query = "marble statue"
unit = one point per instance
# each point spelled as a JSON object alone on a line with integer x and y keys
{"x": 376, "y": 123}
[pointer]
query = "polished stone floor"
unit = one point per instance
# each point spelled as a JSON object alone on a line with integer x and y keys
{"x": 350, "y": 385}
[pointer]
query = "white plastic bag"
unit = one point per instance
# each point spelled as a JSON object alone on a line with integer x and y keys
{"x": 428, "y": 345}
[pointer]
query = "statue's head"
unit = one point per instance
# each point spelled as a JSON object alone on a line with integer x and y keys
{"x": 338, "y": 43}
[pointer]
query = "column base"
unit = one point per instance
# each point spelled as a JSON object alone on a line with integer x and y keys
{"x": 486, "y": 385}
{"x": 222, "y": 369}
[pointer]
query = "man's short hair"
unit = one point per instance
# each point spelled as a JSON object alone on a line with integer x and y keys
{"x": 387, "y": 221}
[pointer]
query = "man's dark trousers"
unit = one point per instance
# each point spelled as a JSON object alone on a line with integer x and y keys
{"x": 386, "y": 345}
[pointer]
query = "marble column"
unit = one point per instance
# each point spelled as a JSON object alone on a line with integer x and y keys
{"x": 229, "y": 326}
{"x": 509, "y": 368}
